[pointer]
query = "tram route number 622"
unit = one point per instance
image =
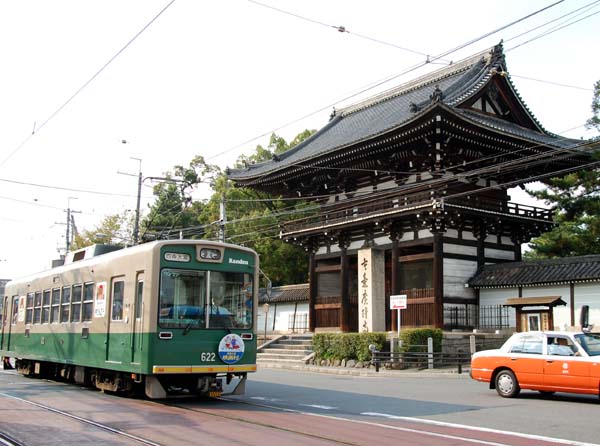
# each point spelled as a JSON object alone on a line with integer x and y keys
{"x": 207, "y": 357}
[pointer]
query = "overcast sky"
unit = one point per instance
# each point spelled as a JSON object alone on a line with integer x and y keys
{"x": 210, "y": 77}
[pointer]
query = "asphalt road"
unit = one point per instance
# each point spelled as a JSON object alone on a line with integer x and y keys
{"x": 283, "y": 407}
{"x": 448, "y": 398}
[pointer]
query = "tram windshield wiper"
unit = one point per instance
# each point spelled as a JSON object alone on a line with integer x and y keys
{"x": 188, "y": 327}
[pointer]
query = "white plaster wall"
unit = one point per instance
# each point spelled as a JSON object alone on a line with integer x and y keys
{"x": 380, "y": 241}
{"x": 281, "y": 314}
{"x": 451, "y": 233}
{"x": 562, "y": 314}
{"x": 456, "y": 274}
{"x": 588, "y": 294}
{"x": 407, "y": 236}
{"x": 425, "y": 233}
{"x": 460, "y": 249}
{"x": 357, "y": 244}
{"x": 468, "y": 236}
{"x": 499, "y": 254}
{"x": 498, "y": 297}
{"x": 322, "y": 250}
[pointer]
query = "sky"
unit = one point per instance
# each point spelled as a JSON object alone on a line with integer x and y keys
{"x": 177, "y": 79}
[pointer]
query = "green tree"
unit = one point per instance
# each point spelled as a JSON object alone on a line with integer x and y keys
{"x": 575, "y": 199}
{"x": 253, "y": 217}
{"x": 112, "y": 230}
{"x": 173, "y": 208}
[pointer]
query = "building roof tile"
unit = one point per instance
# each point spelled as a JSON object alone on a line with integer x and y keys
{"x": 539, "y": 272}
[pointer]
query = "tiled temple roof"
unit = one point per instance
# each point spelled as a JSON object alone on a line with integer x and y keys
{"x": 375, "y": 116}
{"x": 286, "y": 293}
{"x": 539, "y": 272}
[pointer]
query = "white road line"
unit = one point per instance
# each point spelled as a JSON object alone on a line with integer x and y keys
{"x": 479, "y": 429}
{"x": 434, "y": 423}
{"x": 317, "y": 406}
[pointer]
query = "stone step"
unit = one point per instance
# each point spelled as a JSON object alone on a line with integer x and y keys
{"x": 290, "y": 346}
{"x": 288, "y": 342}
{"x": 277, "y": 357}
{"x": 286, "y": 361}
{"x": 285, "y": 351}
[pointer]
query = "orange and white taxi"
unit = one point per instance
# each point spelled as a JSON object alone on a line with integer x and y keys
{"x": 544, "y": 361}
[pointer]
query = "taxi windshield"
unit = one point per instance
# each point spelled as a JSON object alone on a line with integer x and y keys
{"x": 590, "y": 343}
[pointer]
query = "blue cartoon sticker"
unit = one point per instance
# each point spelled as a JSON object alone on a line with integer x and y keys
{"x": 231, "y": 349}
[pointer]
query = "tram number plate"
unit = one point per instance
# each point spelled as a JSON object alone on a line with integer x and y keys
{"x": 207, "y": 357}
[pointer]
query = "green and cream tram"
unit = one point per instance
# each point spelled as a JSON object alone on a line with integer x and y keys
{"x": 167, "y": 317}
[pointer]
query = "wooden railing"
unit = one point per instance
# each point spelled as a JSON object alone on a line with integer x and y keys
{"x": 345, "y": 213}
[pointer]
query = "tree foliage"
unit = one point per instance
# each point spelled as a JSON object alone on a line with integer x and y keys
{"x": 575, "y": 199}
{"x": 252, "y": 217}
{"x": 112, "y": 230}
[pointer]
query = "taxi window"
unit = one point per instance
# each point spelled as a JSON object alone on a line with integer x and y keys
{"x": 527, "y": 344}
{"x": 561, "y": 346}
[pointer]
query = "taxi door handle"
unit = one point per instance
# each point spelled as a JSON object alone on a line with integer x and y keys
{"x": 513, "y": 359}
{"x": 550, "y": 361}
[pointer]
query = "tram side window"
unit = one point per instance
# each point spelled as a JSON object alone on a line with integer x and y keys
{"x": 29, "y": 309}
{"x": 88, "y": 301}
{"x": 46, "y": 306}
{"x": 76, "y": 303}
{"x": 139, "y": 292}
{"x": 15, "y": 310}
{"x": 37, "y": 308}
{"x": 65, "y": 303}
{"x": 55, "y": 305}
{"x": 118, "y": 292}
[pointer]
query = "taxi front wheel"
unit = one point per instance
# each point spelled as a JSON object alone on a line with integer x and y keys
{"x": 507, "y": 385}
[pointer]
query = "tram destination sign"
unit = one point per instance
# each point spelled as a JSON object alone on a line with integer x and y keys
{"x": 398, "y": 302}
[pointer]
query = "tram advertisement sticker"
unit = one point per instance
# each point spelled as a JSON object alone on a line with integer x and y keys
{"x": 100, "y": 300}
{"x": 231, "y": 349}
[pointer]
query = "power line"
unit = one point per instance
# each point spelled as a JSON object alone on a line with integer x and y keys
{"x": 389, "y": 78}
{"x": 85, "y": 84}
{"x": 338, "y": 28}
{"x": 69, "y": 189}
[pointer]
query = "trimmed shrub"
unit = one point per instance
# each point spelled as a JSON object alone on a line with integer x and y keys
{"x": 415, "y": 339}
{"x": 346, "y": 345}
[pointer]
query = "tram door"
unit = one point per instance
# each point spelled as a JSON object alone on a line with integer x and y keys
{"x": 5, "y": 310}
{"x": 116, "y": 342}
{"x": 137, "y": 318}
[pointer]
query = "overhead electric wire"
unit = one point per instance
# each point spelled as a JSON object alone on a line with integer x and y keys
{"x": 85, "y": 84}
{"x": 584, "y": 7}
{"x": 338, "y": 28}
{"x": 544, "y": 34}
{"x": 390, "y": 78}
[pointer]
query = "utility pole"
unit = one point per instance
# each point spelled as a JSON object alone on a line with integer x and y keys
{"x": 136, "y": 223}
{"x": 69, "y": 220}
{"x": 222, "y": 219}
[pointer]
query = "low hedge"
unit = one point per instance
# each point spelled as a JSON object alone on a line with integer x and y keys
{"x": 415, "y": 339}
{"x": 346, "y": 345}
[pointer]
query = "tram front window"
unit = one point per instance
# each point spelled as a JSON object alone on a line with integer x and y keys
{"x": 183, "y": 300}
{"x": 231, "y": 300}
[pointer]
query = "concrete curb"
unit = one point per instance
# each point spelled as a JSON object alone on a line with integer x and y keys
{"x": 370, "y": 372}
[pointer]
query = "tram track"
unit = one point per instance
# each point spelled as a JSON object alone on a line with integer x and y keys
{"x": 6, "y": 440}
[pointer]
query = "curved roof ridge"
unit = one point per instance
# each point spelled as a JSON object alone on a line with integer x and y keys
{"x": 425, "y": 80}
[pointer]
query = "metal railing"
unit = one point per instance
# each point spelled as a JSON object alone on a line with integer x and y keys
{"x": 424, "y": 356}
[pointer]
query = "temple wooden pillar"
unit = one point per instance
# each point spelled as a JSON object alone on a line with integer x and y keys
{"x": 438, "y": 278}
{"x": 344, "y": 286}
{"x": 395, "y": 235}
{"x": 312, "y": 291}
